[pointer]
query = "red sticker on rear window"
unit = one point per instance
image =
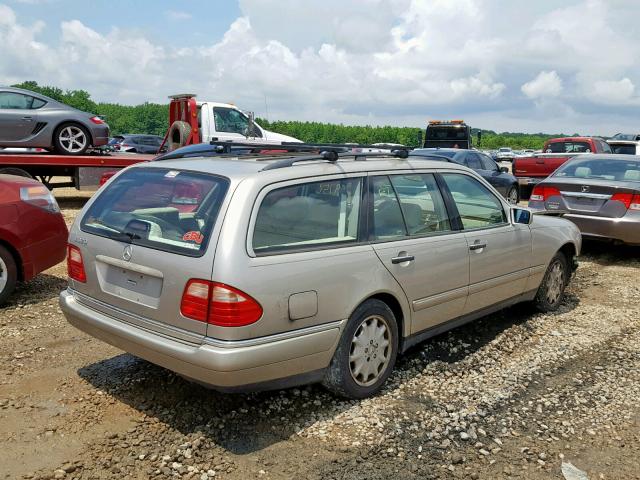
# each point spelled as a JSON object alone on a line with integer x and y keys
{"x": 193, "y": 237}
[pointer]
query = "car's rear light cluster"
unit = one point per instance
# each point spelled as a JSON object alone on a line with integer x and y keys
{"x": 39, "y": 196}
{"x": 218, "y": 304}
{"x": 75, "y": 265}
{"x": 97, "y": 120}
{"x": 630, "y": 200}
{"x": 542, "y": 192}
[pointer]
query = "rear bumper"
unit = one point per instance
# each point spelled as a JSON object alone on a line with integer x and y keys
{"x": 226, "y": 365}
{"x": 624, "y": 229}
{"x": 100, "y": 135}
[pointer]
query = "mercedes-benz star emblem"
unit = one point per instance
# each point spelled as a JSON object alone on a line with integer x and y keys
{"x": 126, "y": 253}
{"x": 585, "y": 188}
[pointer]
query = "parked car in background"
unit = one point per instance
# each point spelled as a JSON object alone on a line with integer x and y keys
{"x": 599, "y": 193}
{"x": 134, "y": 143}
{"x": 634, "y": 137}
{"x": 33, "y": 234}
{"x": 499, "y": 177}
{"x": 625, "y": 147}
{"x": 534, "y": 168}
{"x": 505, "y": 154}
{"x": 28, "y": 119}
{"x": 203, "y": 267}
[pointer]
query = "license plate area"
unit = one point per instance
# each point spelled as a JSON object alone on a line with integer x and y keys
{"x": 129, "y": 284}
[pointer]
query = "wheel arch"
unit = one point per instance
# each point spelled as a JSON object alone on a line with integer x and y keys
{"x": 16, "y": 257}
{"x": 394, "y": 304}
{"x": 570, "y": 251}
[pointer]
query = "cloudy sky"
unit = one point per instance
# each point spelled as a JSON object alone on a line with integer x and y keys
{"x": 551, "y": 66}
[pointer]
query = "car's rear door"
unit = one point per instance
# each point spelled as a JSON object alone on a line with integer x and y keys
{"x": 143, "y": 238}
{"x": 499, "y": 251}
{"x": 412, "y": 234}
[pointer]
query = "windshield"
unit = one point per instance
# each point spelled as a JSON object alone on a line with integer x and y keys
{"x": 617, "y": 170}
{"x": 458, "y": 132}
{"x": 169, "y": 210}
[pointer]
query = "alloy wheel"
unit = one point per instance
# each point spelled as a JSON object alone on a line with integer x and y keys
{"x": 370, "y": 350}
{"x": 72, "y": 139}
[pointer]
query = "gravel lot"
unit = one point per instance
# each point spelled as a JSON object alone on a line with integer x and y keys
{"x": 511, "y": 396}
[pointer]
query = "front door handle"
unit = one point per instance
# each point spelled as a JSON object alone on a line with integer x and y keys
{"x": 477, "y": 246}
{"x": 27, "y": 118}
{"x": 403, "y": 259}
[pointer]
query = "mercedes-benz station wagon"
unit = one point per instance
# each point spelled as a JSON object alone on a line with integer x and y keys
{"x": 256, "y": 273}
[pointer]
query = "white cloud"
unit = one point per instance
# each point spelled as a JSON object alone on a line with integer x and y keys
{"x": 177, "y": 15}
{"x": 365, "y": 61}
{"x": 546, "y": 84}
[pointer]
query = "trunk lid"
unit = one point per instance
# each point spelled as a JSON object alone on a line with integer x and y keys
{"x": 142, "y": 239}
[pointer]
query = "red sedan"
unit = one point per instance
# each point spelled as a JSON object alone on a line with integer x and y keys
{"x": 33, "y": 235}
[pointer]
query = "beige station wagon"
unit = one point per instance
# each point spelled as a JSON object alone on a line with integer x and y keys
{"x": 256, "y": 273}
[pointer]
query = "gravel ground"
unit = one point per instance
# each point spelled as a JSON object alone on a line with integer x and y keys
{"x": 514, "y": 395}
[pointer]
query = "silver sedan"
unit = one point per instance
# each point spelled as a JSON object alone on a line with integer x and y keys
{"x": 28, "y": 119}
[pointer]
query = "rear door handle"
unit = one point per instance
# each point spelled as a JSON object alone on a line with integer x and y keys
{"x": 27, "y": 118}
{"x": 477, "y": 246}
{"x": 403, "y": 259}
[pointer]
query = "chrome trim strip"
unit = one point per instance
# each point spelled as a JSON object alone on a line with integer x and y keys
{"x": 599, "y": 196}
{"x": 497, "y": 281}
{"x": 444, "y": 297}
{"x": 274, "y": 338}
{"x": 152, "y": 272}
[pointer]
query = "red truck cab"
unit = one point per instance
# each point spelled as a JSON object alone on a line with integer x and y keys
{"x": 533, "y": 169}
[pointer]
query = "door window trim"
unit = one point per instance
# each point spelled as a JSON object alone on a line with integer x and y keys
{"x": 454, "y": 207}
{"x": 266, "y": 189}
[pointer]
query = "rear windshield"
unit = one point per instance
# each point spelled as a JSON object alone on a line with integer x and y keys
{"x": 168, "y": 210}
{"x": 568, "y": 147}
{"x": 617, "y": 170}
{"x": 623, "y": 149}
{"x": 434, "y": 153}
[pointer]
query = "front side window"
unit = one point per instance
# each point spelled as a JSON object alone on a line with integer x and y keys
{"x": 473, "y": 161}
{"x": 488, "y": 163}
{"x": 169, "y": 210}
{"x": 18, "y": 101}
{"x": 229, "y": 120}
{"x": 421, "y": 203}
{"x": 477, "y": 206}
{"x": 308, "y": 215}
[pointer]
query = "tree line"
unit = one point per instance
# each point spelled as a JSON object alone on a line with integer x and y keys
{"x": 151, "y": 118}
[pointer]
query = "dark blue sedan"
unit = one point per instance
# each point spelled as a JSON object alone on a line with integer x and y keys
{"x": 499, "y": 177}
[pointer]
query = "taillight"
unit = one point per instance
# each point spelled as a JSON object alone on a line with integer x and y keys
{"x": 39, "y": 196}
{"x": 75, "y": 265}
{"x": 541, "y": 193}
{"x": 631, "y": 201}
{"x": 97, "y": 120}
{"x": 218, "y": 304}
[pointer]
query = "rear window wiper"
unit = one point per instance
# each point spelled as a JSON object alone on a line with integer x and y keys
{"x": 118, "y": 235}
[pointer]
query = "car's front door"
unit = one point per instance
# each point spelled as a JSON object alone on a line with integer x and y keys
{"x": 499, "y": 251}
{"x": 412, "y": 234}
{"x": 17, "y": 118}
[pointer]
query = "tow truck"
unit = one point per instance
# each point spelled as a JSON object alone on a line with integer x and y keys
{"x": 190, "y": 122}
{"x": 448, "y": 134}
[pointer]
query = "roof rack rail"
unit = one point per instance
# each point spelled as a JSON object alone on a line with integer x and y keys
{"x": 225, "y": 146}
{"x": 333, "y": 157}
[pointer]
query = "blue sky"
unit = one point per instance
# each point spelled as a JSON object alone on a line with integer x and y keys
{"x": 553, "y": 66}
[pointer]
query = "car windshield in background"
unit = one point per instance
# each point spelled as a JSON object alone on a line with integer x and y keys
{"x": 447, "y": 133}
{"x": 169, "y": 210}
{"x": 434, "y": 154}
{"x": 568, "y": 147}
{"x": 624, "y": 149}
{"x": 617, "y": 170}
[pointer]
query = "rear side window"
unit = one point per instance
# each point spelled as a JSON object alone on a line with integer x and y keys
{"x": 308, "y": 215}
{"x": 169, "y": 210}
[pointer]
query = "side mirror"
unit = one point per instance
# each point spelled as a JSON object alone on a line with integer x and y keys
{"x": 504, "y": 169}
{"x": 521, "y": 215}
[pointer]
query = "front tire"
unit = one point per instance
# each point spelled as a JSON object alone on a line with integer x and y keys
{"x": 8, "y": 274}
{"x": 551, "y": 291}
{"x": 366, "y": 354}
{"x": 71, "y": 139}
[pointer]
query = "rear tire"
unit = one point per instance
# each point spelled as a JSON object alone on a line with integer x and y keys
{"x": 513, "y": 195}
{"x": 8, "y": 274}
{"x": 15, "y": 171}
{"x": 71, "y": 139}
{"x": 551, "y": 291}
{"x": 366, "y": 353}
